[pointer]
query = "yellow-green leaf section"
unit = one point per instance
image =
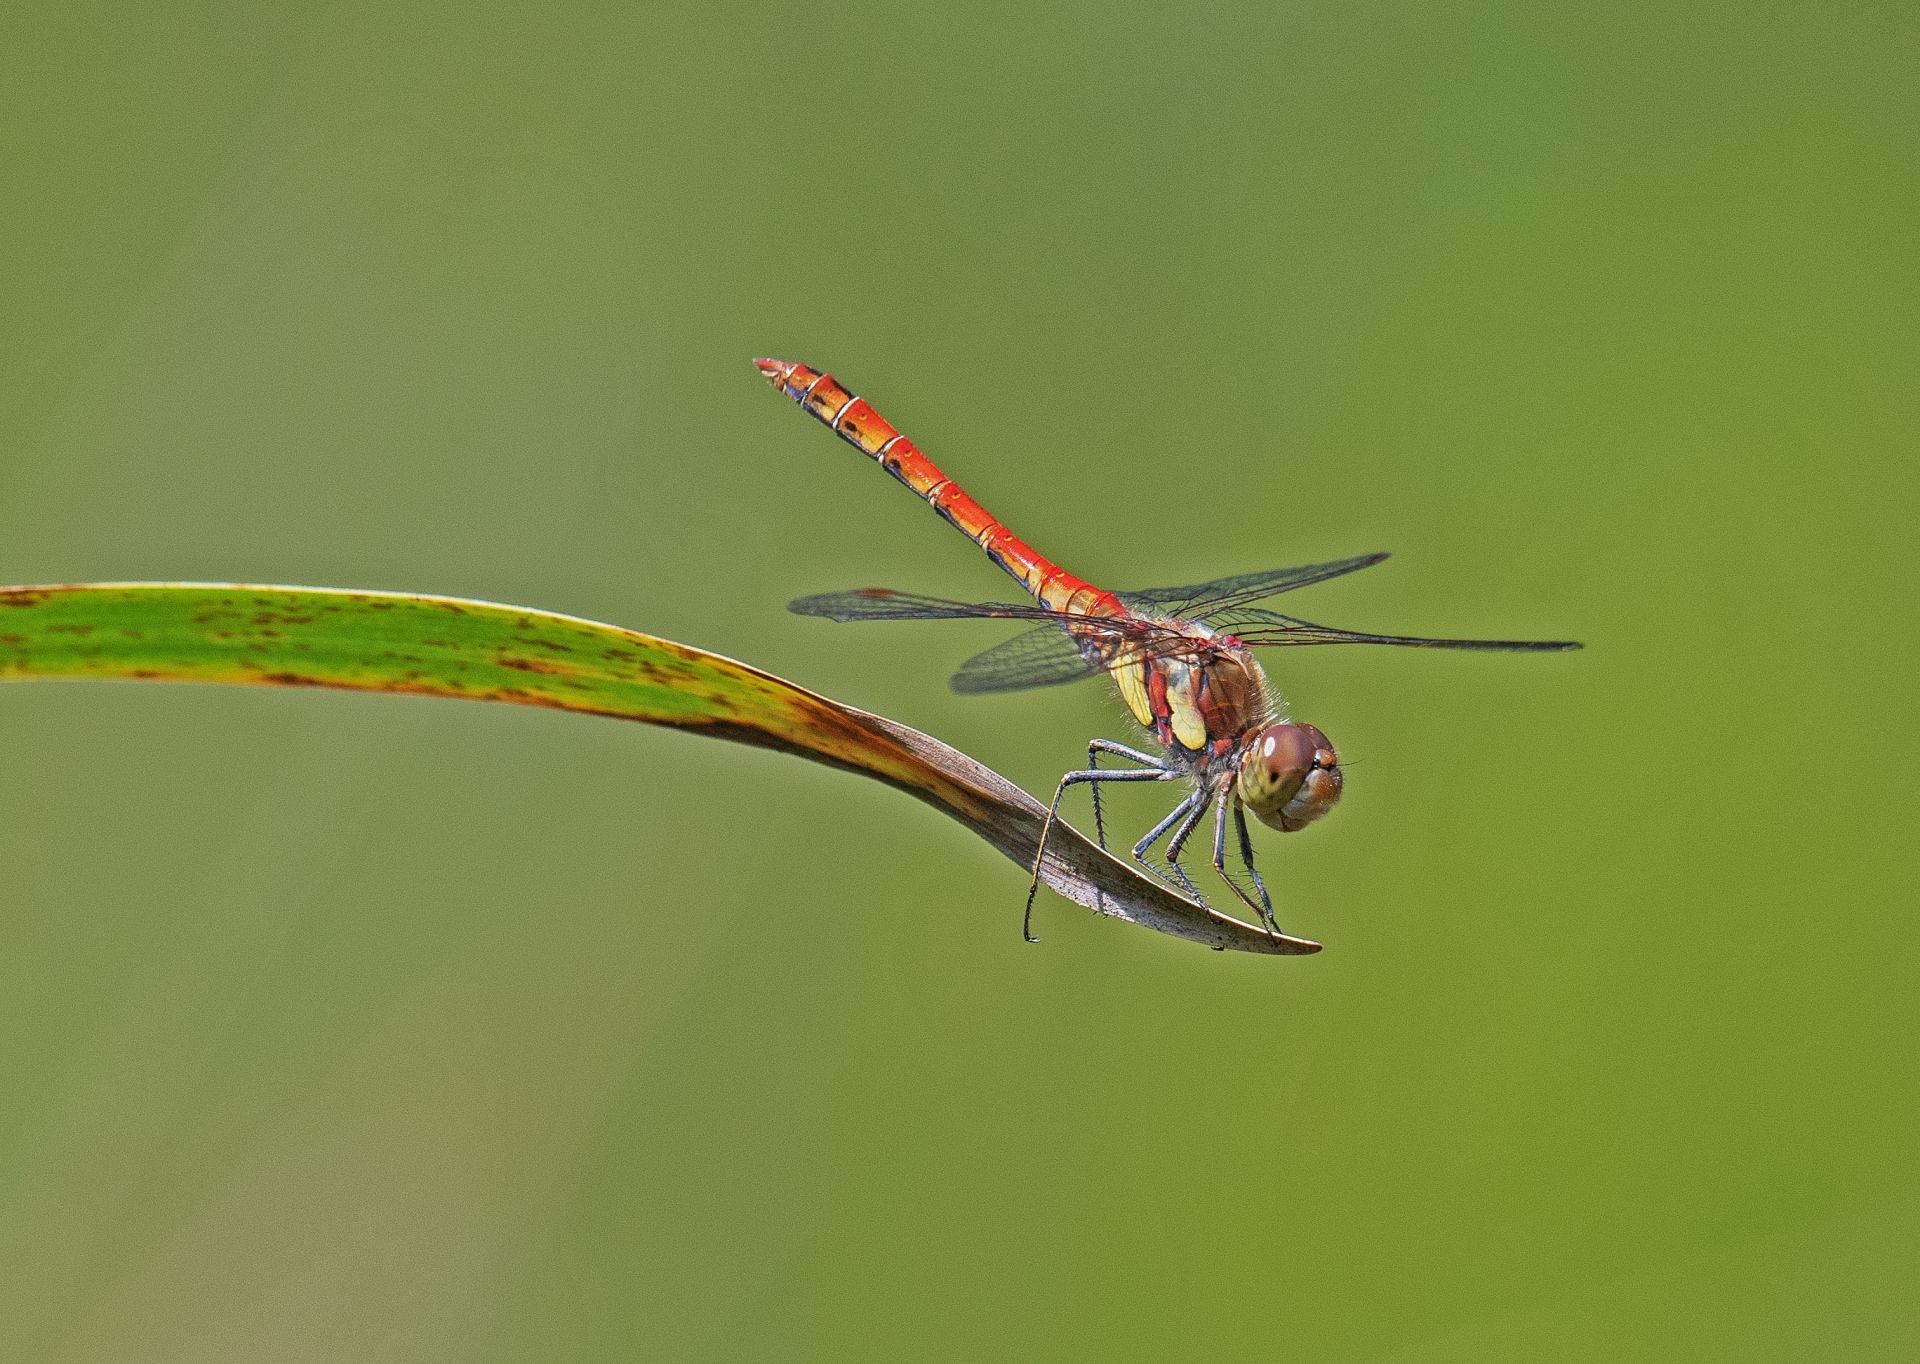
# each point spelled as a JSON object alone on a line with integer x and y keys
{"x": 481, "y": 651}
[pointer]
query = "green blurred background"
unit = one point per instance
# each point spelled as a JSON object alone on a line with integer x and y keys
{"x": 336, "y": 1027}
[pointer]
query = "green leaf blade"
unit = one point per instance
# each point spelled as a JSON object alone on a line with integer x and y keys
{"x": 482, "y": 651}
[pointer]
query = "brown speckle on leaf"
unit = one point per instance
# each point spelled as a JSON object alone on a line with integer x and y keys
{"x": 662, "y": 676}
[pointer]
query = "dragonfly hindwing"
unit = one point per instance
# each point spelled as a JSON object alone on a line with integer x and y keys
{"x": 884, "y": 603}
{"x": 1044, "y": 657}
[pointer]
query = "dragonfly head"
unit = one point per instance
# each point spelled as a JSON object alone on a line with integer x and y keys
{"x": 1289, "y": 776}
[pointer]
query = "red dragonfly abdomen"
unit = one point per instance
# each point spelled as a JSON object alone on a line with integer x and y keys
{"x": 858, "y": 424}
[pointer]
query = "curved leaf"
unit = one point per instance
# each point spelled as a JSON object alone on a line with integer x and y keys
{"x": 480, "y": 651}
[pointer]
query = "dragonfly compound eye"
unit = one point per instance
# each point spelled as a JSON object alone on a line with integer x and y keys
{"x": 1289, "y": 776}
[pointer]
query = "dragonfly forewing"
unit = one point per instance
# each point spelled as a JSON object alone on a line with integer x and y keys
{"x": 1200, "y": 601}
{"x": 1270, "y": 629}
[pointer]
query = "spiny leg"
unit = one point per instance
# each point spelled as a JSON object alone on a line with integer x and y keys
{"x": 1179, "y": 841}
{"x": 1220, "y": 857}
{"x": 1246, "y": 856}
{"x": 1095, "y": 776}
{"x": 1094, "y": 750}
{"x": 1174, "y": 816}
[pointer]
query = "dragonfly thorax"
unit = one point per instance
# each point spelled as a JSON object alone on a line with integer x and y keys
{"x": 1200, "y": 704}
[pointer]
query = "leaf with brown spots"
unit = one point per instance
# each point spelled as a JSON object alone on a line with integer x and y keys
{"x": 477, "y": 651}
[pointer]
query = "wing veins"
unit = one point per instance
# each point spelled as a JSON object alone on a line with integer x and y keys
{"x": 1201, "y": 600}
{"x": 1042, "y": 657}
{"x": 1270, "y": 629}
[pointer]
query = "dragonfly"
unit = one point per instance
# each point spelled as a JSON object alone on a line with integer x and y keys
{"x": 1182, "y": 658}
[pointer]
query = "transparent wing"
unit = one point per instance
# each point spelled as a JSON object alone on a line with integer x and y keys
{"x": 1045, "y": 657}
{"x": 1250, "y": 625}
{"x": 883, "y": 603}
{"x": 1198, "y": 601}
{"x": 1042, "y": 657}
{"x": 1201, "y": 600}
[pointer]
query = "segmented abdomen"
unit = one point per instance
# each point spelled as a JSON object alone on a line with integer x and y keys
{"x": 861, "y": 426}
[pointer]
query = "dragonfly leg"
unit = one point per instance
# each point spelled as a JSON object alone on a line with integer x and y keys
{"x": 1197, "y": 809}
{"x": 1246, "y": 857}
{"x": 1094, "y": 750}
{"x": 1122, "y": 751}
{"x": 1095, "y": 776}
{"x": 1174, "y": 816}
{"x": 1263, "y": 909}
